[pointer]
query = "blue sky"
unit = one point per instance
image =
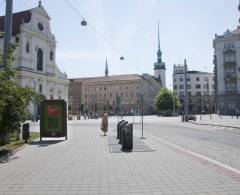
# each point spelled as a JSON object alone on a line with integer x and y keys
{"x": 187, "y": 28}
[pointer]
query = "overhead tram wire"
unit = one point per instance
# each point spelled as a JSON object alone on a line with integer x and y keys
{"x": 84, "y": 23}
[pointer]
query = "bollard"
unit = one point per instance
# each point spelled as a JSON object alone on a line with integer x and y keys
{"x": 127, "y": 139}
{"x": 118, "y": 128}
{"x": 121, "y": 128}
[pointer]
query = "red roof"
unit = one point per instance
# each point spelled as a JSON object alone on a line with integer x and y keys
{"x": 237, "y": 31}
{"x": 18, "y": 19}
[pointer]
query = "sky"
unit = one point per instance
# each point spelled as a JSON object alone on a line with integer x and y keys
{"x": 129, "y": 28}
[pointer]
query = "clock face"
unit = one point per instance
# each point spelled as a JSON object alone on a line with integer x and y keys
{"x": 40, "y": 26}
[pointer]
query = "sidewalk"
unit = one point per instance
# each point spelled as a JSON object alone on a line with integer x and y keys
{"x": 84, "y": 165}
{"x": 215, "y": 120}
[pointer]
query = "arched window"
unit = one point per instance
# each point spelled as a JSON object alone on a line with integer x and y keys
{"x": 51, "y": 55}
{"x": 27, "y": 47}
{"x": 39, "y": 60}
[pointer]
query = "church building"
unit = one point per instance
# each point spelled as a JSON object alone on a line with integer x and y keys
{"x": 35, "y": 55}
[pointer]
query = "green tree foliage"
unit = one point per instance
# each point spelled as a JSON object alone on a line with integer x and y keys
{"x": 14, "y": 100}
{"x": 164, "y": 101}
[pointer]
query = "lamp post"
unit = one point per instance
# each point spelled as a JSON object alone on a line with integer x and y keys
{"x": 186, "y": 90}
{"x": 7, "y": 29}
{"x": 173, "y": 100}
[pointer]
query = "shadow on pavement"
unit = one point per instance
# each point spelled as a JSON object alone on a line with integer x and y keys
{"x": 7, "y": 157}
{"x": 45, "y": 143}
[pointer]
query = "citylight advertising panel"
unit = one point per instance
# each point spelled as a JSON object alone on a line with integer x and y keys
{"x": 53, "y": 121}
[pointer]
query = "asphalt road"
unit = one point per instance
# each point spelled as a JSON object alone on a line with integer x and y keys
{"x": 217, "y": 143}
{"x": 192, "y": 131}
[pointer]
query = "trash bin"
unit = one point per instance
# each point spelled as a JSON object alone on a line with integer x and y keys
{"x": 127, "y": 137}
{"x": 121, "y": 127}
{"x": 118, "y": 128}
{"x": 25, "y": 132}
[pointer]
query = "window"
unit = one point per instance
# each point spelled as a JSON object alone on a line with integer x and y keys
{"x": 198, "y": 86}
{"x": 205, "y": 86}
{"x": 110, "y": 94}
{"x": 39, "y": 60}
{"x": 181, "y": 93}
{"x": 175, "y": 86}
{"x": 189, "y": 86}
{"x": 189, "y": 93}
{"x": 205, "y": 79}
{"x": 197, "y": 79}
{"x": 181, "y": 86}
{"x": 174, "y": 80}
{"x": 198, "y": 93}
{"x": 86, "y": 96}
{"x": 27, "y": 47}
{"x": 181, "y": 79}
{"x": 104, "y": 88}
{"x": 188, "y": 79}
{"x": 229, "y": 57}
{"x": 51, "y": 55}
{"x": 40, "y": 26}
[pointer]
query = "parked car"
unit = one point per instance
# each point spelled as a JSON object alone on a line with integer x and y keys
{"x": 190, "y": 117}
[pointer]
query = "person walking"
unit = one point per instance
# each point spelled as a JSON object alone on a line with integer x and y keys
{"x": 104, "y": 125}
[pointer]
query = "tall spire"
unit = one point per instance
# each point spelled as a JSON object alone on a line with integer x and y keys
{"x": 106, "y": 68}
{"x": 159, "y": 53}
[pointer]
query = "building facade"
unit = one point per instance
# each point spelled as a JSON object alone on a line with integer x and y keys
{"x": 35, "y": 55}
{"x": 200, "y": 89}
{"x": 227, "y": 71}
{"x": 113, "y": 94}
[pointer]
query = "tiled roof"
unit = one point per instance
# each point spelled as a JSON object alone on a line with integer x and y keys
{"x": 236, "y": 32}
{"x": 127, "y": 77}
{"x": 18, "y": 19}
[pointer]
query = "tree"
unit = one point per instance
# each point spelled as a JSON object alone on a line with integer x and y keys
{"x": 14, "y": 99}
{"x": 165, "y": 101}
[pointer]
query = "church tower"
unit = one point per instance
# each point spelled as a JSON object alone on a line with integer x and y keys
{"x": 106, "y": 69}
{"x": 159, "y": 66}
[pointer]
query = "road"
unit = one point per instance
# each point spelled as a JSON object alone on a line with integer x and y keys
{"x": 221, "y": 144}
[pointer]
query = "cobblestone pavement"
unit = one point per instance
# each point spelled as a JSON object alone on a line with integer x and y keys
{"x": 84, "y": 165}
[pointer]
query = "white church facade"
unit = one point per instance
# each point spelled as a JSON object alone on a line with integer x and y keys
{"x": 35, "y": 55}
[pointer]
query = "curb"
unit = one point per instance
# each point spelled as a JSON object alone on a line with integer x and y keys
{"x": 16, "y": 150}
{"x": 204, "y": 124}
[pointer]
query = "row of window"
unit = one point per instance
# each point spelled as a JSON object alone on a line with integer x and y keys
{"x": 197, "y": 86}
{"x": 229, "y": 46}
{"x": 196, "y": 79}
{"x": 105, "y": 88}
{"x": 197, "y": 93}
{"x": 110, "y": 95}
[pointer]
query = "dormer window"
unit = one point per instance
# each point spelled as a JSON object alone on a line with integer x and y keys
{"x": 40, "y": 26}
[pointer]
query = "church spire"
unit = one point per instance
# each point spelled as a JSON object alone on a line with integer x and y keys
{"x": 159, "y": 53}
{"x": 106, "y": 68}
